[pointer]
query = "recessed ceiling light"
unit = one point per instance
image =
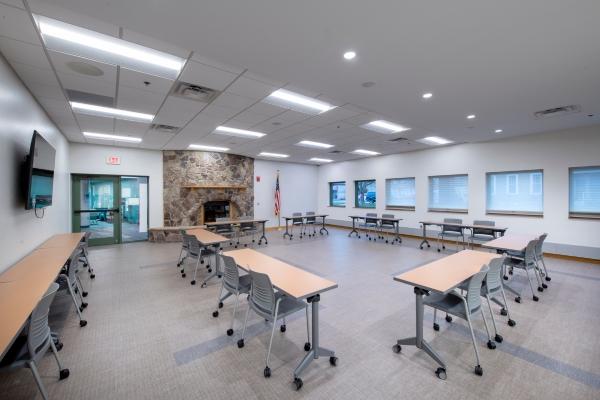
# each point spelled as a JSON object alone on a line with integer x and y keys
{"x": 349, "y": 55}
{"x": 363, "y": 152}
{"x": 471, "y": 116}
{"x": 275, "y": 155}
{"x": 310, "y": 143}
{"x": 226, "y": 130}
{"x": 77, "y": 41}
{"x": 498, "y": 131}
{"x": 297, "y": 102}
{"x": 382, "y": 126}
{"x": 435, "y": 140}
{"x": 427, "y": 95}
{"x": 320, "y": 160}
{"x": 206, "y": 147}
{"x": 101, "y": 111}
{"x": 116, "y": 138}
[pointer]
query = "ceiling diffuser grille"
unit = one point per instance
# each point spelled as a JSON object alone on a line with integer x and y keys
{"x": 557, "y": 111}
{"x": 195, "y": 92}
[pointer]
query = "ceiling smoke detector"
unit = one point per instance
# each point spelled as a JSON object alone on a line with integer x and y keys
{"x": 195, "y": 92}
{"x": 397, "y": 140}
{"x": 558, "y": 111}
{"x": 335, "y": 152}
{"x": 164, "y": 128}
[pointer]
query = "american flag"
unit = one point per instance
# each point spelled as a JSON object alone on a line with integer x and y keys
{"x": 277, "y": 196}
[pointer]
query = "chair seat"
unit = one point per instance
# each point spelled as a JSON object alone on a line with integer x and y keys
{"x": 450, "y": 303}
{"x": 244, "y": 284}
{"x": 288, "y": 305}
{"x": 483, "y": 236}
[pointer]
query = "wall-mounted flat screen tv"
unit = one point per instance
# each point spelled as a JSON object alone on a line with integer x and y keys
{"x": 40, "y": 173}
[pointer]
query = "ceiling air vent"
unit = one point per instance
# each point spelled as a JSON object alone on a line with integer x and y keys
{"x": 558, "y": 111}
{"x": 164, "y": 128}
{"x": 195, "y": 92}
{"x": 397, "y": 140}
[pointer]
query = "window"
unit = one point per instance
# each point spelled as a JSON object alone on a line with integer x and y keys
{"x": 519, "y": 192}
{"x": 337, "y": 194}
{"x": 449, "y": 193}
{"x": 400, "y": 193}
{"x": 365, "y": 195}
{"x": 584, "y": 192}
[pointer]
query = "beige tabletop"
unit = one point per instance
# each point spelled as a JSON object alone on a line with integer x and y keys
{"x": 513, "y": 242}
{"x": 63, "y": 240}
{"x": 447, "y": 273}
{"x": 291, "y": 280}
{"x": 207, "y": 237}
{"x": 468, "y": 226}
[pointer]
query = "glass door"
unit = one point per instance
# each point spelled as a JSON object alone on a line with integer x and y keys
{"x": 96, "y": 208}
{"x": 134, "y": 208}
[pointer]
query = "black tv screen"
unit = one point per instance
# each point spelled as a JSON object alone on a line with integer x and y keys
{"x": 40, "y": 173}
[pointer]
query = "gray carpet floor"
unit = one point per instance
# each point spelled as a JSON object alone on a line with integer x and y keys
{"x": 151, "y": 335}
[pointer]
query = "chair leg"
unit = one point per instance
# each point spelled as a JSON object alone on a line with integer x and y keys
{"x": 436, "y": 327}
{"x": 497, "y": 337}
{"x": 62, "y": 372}
{"x": 535, "y": 298}
{"x": 478, "y": 369}
{"x": 240, "y": 342}
{"x": 235, "y": 306}
{"x": 545, "y": 270}
{"x": 216, "y": 312}
{"x": 490, "y": 344}
{"x": 271, "y": 341}
{"x": 511, "y": 322}
{"x": 38, "y": 380}
{"x": 307, "y": 327}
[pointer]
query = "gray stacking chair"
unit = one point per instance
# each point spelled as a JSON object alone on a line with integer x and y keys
{"x": 371, "y": 223}
{"x": 185, "y": 245}
{"x": 233, "y": 284}
{"x": 539, "y": 258}
{"x": 83, "y": 247}
{"x": 247, "y": 229}
{"x": 297, "y": 220}
{"x": 451, "y": 231}
{"x": 199, "y": 253}
{"x": 225, "y": 230}
{"x": 463, "y": 307}
{"x": 389, "y": 226}
{"x": 482, "y": 233}
{"x": 67, "y": 281}
{"x": 528, "y": 263}
{"x": 310, "y": 220}
{"x": 272, "y": 306}
{"x": 27, "y": 351}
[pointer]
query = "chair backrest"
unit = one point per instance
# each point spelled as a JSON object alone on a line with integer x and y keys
{"x": 262, "y": 294}
{"x": 474, "y": 289}
{"x": 223, "y": 227}
{"x": 193, "y": 244}
{"x": 483, "y": 222}
{"x": 371, "y": 218}
{"x": 538, "y": 247}
{"x": 387, "y": 219}
{"x": 493, "y": 279}
{"x": 452, "y": 228}
{"x": 246, "y": 225}
{"x": 38, "y": 335}
{"x": 297, "y": 218}
{"x": 185, "y": 241}
{"x": 310, "y": 216}
{"x": 530, "y": 252}
{"x": 231, "y": 274}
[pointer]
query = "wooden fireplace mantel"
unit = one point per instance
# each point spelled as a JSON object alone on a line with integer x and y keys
{"x": 222, "y": 187}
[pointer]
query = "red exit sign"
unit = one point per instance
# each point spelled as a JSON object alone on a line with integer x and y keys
{"x": 113, "y": 160}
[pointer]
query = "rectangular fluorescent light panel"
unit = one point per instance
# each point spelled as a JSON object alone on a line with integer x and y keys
{"x": 310, "y": 143}
{"x": 275, "y": 155}
{"x": 116, "y": 138}
{"x": 320, "y": 160}
{"x": 206, "y": 147}
{"x": 100, "y": 111}
{"x": 297, "y": 102}
{"x": 81, "y": 42}
{"x": 435, "y": 140}
{"x": 363, "y": 152}
{"x": 382, "y": 126}
{"x": 226, "y": 130}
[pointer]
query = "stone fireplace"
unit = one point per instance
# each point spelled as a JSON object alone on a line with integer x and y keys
{"x": 199, "y": 185}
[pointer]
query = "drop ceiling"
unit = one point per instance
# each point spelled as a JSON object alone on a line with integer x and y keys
{"x": 501, "y": 61}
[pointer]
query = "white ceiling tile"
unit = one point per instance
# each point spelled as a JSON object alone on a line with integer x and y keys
{"x": 266, "y": 109}
{"x": 249, "y": 118}
{"x": 156, "y": 140}
{"x": 203, "y": 75}
{"x": 216, "y": 64}
{"x": 14, "y": 3}
{"x": 41, "y": 90}
{"x": 54, "y": 105}
{"x": 139, "y": 100}
{"x": 32, "y": 75}
{"x": 263, "y": 79}
{"x": 90, "y": 123}
{"x": 155, "y": 44}
{"x": 137, "y": 80}
{"x": 16, "y": 24}
{"x": 281, "y": 121}
{"x": 233, "y": 101}
{"x": 337, "y": 114}
{"x": 61, "y": 61}
{"x": 83, "y": 84}
{"x": 301, "y": 91}
{"x": 177, "y": 112}
{"x": 45, "y": 8}
{"x": 251, "y": 88}
{"x": 218, "y": 112}
{"x": 23, "y": 52}
{"x": 130, "y": 128}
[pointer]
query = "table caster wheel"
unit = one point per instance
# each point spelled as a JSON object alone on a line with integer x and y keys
{"x": 548, "y": 279}
{"x": 306, "y": 346}
{"x": 491, "y": 345}
{"x": 193, "y": 282}
{"x": 92, "y": 276}
{"x": 505, "y": 277}
{"x": 215, "y": 314}
{"x": 209, "y": 270}
{"x": 420, "y": 247}
{"x": 396, "y": 348}
{"x": 220, "y": 304}
{"x": 535, "y": 298}
{"x": 441, "y": 373}
{"x": 503, "y": 312}
{"x": 64, "y": 373}
{"x": 333, "y": 361}
{"x": 282, "y": 328}
{"x": 448, "y": 318}
{"x": 498, "y": 338}
{"x": 203, "y": 285}
{"x": 240, "y": 343}
{"x": 540, "y": 289}
{"x": 544, "y": 286}
{"x": 436, "y": 327}
{"x": 518, "y": 299}
{"x": 511, "y": 322}
{"x": 82, "y": 323}
{"x": 229, "y": 332}
{"x": 298, "y": 383}
{"x": 478, "y": 370}
{"x": 183, "y": 275}
{"x": 267, "y": 372}
{"x": 438, "y": 250}
{"x": 84, "y": 294}
{"x": 443, "y": 247}
{"x": 428, "y": 245}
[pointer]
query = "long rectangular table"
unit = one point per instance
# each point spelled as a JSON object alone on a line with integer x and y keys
{"x": 441, "y": 276}
{"x": 395, "y": 221}
{"x": 296, "y": 283}
{"x": 238, "y": 222}
{"x": 424, "y": 224}
{"x": 209, "y": 239}
{"x": 303, "y": 217}
{"x": 24, "y": 284}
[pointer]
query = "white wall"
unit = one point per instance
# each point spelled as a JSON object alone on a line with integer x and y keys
{"x": 91, "y": 159}
{"x": 554, "y": 152}
{"x": 297, "y": 185}
{"x": 20, "y": 114}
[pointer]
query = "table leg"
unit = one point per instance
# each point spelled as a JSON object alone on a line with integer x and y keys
{"x": 398, "y": 232}
{"x": 217, "y": 270}
{"x": 263, "y": 234}
{"x": 353, "y": 228}
{"x": 418, "y": 340}
{"x": 424, "y": 237}
{"x": 286, "y": 233}
{"x": 323, "y": 227}
{"x": 316, "y": 351}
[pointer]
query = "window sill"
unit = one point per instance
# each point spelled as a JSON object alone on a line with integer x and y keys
{"x": 584, "y": 216}
{"x": 336, "y": 206}
{"x": 448, "y": 210}
{"x": 515, "y": 213}
{"x": 400, "y": 208}
{"x": 365, "y": 208}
